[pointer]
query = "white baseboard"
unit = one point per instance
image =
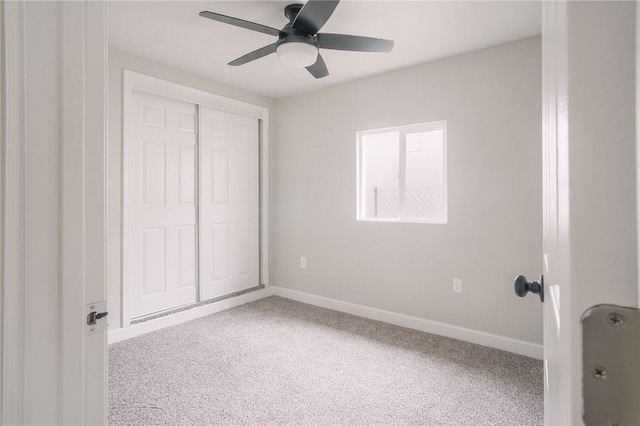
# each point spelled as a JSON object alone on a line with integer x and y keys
{"x": 460, "y": 333}
{"x": 120, "y": 334}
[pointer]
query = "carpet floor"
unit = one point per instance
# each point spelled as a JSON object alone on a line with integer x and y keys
{"x": 276, "y": 361}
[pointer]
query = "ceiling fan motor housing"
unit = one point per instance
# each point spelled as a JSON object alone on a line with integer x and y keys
{"x": 292, "y": 10}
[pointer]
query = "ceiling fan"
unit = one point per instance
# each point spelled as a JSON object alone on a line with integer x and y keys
{"x": 299, "y": 40}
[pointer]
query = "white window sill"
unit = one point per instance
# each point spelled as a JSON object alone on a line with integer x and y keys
{"x": 442, "y": 221}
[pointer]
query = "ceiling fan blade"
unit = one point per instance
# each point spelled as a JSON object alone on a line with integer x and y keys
{"x": 319, "y": 69}
{"x": 354, "y": 43}
{"x": 240, "y": 23}
{"x": 313, "y": 15}
{"x": 256, "y": 54}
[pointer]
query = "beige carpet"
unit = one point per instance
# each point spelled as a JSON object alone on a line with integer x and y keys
{"x": 276, "y": 361}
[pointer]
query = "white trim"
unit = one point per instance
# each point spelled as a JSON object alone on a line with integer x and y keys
{"x": 136, "y": 81}
{"x": 460, "y": 333}
{"x": 199, "y": 205}
{"x": 264, "y": 198}
{"x": 72, "y": 385}
{"x": 120, "y": 334}
{"x": 95, "y": 204}
{"x": 519, "y": 347}
{"x": 12, "y": 248}
{"x": 157, "y": 86}
{"x": 360, "y": 202}
{"x": 638, "y": 142}
{"x": 83, "y": 199}
{"x": 127, "y": 89}
{"x": 68, "y": 382}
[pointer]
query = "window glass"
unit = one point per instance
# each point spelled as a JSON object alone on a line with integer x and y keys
{"x": 424, "y": 189}
{"x": 403, "y": 174}
{"x": 381, "y": 165}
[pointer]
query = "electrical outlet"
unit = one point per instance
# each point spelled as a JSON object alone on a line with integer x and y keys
{"x": 457, "y": 285}
{"x": 303, "y": 262}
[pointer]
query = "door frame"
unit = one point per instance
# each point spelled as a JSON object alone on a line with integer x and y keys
{"x": 68, "y": 368}
{"x": 84, "y": 83}
{"x": 141, "y": 82}
{"x": 638, "y": 138}
{"x": 12, "y": 207}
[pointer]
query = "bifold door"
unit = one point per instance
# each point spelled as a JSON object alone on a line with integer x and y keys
{"x": 192, "y": 205}
{"x": 229, "y": 190}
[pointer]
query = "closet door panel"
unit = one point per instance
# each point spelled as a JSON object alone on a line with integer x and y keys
{"x": 161, "y": 204}
{"x": 229, "y": 190}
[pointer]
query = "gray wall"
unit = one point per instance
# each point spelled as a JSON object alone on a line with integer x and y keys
{"x": 491, "y": 100}
{"x": 118, "y": 61}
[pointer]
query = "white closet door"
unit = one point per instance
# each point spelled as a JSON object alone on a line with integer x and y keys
{"x": 161, "y": 187}
{"x": 230, "y": 202}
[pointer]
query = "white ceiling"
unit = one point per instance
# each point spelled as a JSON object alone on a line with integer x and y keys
{"x": 173, "y": 33}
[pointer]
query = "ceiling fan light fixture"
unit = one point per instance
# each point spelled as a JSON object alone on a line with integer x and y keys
{"x": 297, "y": 54}
{"x": 299, "y": 41}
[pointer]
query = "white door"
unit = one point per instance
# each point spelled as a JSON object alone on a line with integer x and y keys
{"x": 589, "y": 175}
{"x": 555, "y": 244}
{"x": 229, "y": 153}
{"x": 161, "y": 204}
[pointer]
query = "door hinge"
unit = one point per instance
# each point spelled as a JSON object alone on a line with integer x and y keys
{"x": 95, "y": 319}
{"x": 611, "y": 365}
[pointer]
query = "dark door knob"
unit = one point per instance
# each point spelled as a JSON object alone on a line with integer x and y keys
{"x": 522, "y": 286}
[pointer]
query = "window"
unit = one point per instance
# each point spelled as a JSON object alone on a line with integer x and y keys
{"x": 402, "y": 174}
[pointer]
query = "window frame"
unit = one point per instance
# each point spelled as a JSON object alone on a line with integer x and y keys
{"x": 402, "y": 172}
